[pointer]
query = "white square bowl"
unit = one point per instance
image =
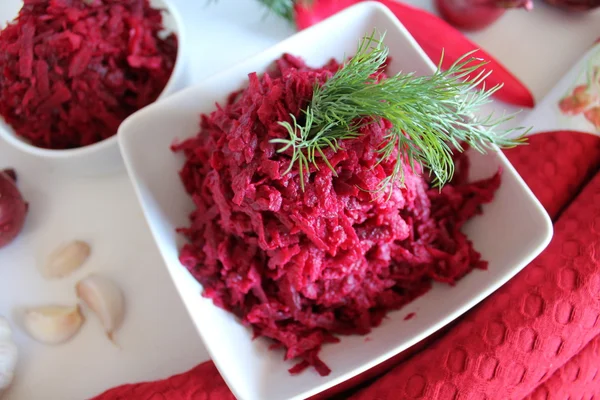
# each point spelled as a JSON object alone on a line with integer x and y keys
{"x": 513, "y": 230}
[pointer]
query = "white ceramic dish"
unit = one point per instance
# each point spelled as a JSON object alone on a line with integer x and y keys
{"x": 513, "y": 230}
{"x": 102, "y": 157}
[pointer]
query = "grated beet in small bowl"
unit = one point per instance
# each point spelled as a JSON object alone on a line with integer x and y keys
{"x": 511, "y": 230}
{"x": 86, "y": 95}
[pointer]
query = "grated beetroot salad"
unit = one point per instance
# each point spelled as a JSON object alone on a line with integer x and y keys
{"x": 302, "y": 267}
{"x": 73, "y": 70}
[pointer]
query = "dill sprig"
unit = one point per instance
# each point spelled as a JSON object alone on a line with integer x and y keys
{"x": 283, "y": 8}
{"x": 431, "y": 116}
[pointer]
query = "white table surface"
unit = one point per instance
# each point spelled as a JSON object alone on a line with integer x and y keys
{"x": 157, "y": 339}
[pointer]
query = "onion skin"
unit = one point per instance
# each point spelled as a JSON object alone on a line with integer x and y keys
{"x": 13, "y": 208}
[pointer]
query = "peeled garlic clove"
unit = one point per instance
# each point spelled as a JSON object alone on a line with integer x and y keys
{"x": 66, "y": 259}
{"x": 5, "y": 331}
{"x": 8, "y": 355}
{"x": 53, "y": 324}
{"x": 105, "y": 299}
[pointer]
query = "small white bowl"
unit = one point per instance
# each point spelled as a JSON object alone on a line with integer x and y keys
{"x": 102, "y": 157}
{"x": 513, "y": 230}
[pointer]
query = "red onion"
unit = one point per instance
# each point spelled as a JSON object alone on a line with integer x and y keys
{"x": 477, "y": 14}
{"x": 13, "y": 208}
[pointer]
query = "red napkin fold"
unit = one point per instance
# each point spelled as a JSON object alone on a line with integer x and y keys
{"x": 537, "y": 337}
{"x": 579, "y": 378}
{"x": 434, "y": 35}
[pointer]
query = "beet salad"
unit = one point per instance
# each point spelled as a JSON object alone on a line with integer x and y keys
{"x": 305, "y": 254}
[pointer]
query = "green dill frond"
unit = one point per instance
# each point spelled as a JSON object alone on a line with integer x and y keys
{"x": 283, "y": 8}
{"x": 431, "y": 116}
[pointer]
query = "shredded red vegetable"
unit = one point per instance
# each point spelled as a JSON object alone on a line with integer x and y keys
{"x": 73, "y": 70}
{"x": 300, "y": 267}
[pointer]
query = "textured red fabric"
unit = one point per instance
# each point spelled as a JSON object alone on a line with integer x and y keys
{"x": 203, "y": 382}
{"x": 577, "y": 379}
{"x": 528, "y": 339}
{"x": 555, "y": 165}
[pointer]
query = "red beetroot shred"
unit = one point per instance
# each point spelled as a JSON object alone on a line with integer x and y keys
{"x": 73, "y": 70}
{"x": 301, "y": 267}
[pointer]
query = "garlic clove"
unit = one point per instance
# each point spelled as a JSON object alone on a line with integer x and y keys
{"x": 8, "y": 361}
{"x": 53, "y": 324}
{"x": 105, "y": 299}
{"x": 65, "y": 259}
{"x": 8, "y": 355}
{"x": 5, "y": 331}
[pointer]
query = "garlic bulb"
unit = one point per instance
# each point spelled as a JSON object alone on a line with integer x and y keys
{"x": 105, "y": 299}
{"x": 66, "y": 259}
{"x": 8, "y": 355}
{"x": 53, "y": 324}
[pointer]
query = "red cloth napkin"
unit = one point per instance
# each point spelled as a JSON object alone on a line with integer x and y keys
{"x": 577, "y": 379}
{"x": 537, "y": 337}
